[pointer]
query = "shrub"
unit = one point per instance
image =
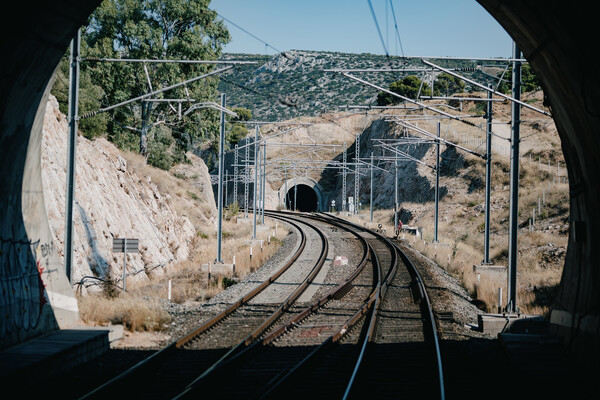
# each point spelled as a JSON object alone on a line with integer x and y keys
{"x": 135, "y": 314}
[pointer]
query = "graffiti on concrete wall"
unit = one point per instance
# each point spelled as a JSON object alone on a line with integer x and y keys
{"x": 22, "y": 294}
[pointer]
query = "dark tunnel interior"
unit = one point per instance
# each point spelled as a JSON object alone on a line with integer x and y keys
{"x": 302, "y": 198}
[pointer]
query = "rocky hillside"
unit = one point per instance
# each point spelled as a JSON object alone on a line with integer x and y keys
{"x": 295, "y": 83}
{"x": 116, "y": 197}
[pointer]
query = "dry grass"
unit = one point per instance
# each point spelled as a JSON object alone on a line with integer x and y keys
{"x": 135, "y": 309}
{"x": 138, "y": 309}
{"x": 461, "y": 218}
{"x": 133, "y": 312}
{"x": 461, "y": 243}
{"x": 190, "y": 283}
{"x": 536, "y": 281}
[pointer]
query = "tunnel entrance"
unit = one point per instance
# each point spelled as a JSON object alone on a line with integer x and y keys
{"x": 302, "y": 198}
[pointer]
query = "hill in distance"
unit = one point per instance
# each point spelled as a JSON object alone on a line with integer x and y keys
{"x": 296, "y": 83}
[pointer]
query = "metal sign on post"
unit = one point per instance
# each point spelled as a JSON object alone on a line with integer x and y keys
{"x": 124, "y": 245}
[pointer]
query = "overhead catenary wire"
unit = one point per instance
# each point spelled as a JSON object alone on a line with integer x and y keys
{"x": 396, "y": 27}
{"x": 153, "y": 93}
{"x": 407, "y": 99}
{"x": 249, "y": 33}
{"x": 378, "y": 29}
{"x": 521, "y": 103}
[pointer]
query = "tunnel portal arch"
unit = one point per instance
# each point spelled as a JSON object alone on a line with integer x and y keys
{"x": 310, "y": 195}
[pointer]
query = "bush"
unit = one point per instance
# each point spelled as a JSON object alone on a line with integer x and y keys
{"x": 231, "y": 210}
{"x": 408, "y": 87}
{"x": 135, "y": 314}
{"x": 159, "y": 156}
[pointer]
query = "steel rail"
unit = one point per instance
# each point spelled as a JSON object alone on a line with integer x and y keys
{"x": 370, "y": 305}
{"x": 431, "y": 322}
{"x": 425, "y": 303}
{"x": 244, "y": 348}
{"x": 167, "y": 351}
{"x": 376, "y": 297}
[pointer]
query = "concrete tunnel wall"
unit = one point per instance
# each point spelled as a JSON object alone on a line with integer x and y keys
{"x": 321, "y": 196}
{"x": 558, "y": 38}
{"x": 36, "y": 296}
{"x": 555, "y": 38}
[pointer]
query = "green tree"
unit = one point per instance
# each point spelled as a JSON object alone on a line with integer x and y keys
{"x": 89, "y": 93}
{"x": 529, "y": 81}
{"x": 243, "y": 114}
{"x": 238, "y": 130}
{"x": 447, "y": 84}
{"x": 410, "y": 87}
{"x": 155, "y": 29}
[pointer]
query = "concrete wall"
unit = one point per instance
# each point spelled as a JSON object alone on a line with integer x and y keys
{"x": 36, "y": 296}
{"x": 559, "y": 41}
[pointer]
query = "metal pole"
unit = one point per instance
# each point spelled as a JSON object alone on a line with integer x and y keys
{"x": 226, "y": 183}
{"x": 71, "y": 154}
{"x": 396, "y": 194}
{"x": 357, "y": 173}
{"x": 371, "y": 194}
{"x": 514, "y": 186}
{"x": 437, "y": 185}
{"x": 254, "y": 190}
{"x": 124, "y": 262}
{"x": 285, "y": 196}
{"x": 344, "y": 179}
{"x": 246, "y": 178}
{"x": 221, "y": 168}
{"x": 488, "y": 181}
{"x": 235, "y": 176}
{"x": 264, "y": 182}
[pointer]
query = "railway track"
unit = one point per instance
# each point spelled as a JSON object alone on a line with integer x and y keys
{"x": 339, "y": 341}
{"x": 403, "y": 357}
{"x": 233, "y": 329}
{"x": 399, "y": 351}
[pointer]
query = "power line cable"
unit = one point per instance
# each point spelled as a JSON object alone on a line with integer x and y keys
{"x": 396, "y": 28}
{"x": 251, "y": 34}
{"x": 378, "y": 30}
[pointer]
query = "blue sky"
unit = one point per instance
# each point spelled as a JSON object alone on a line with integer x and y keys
{"x": 455, "y": 28}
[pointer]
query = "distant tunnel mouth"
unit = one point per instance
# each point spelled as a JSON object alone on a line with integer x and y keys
{"x": 302, "y": 198}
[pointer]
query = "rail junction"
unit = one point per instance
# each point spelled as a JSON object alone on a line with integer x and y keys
{"x": 311, "y": 328}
